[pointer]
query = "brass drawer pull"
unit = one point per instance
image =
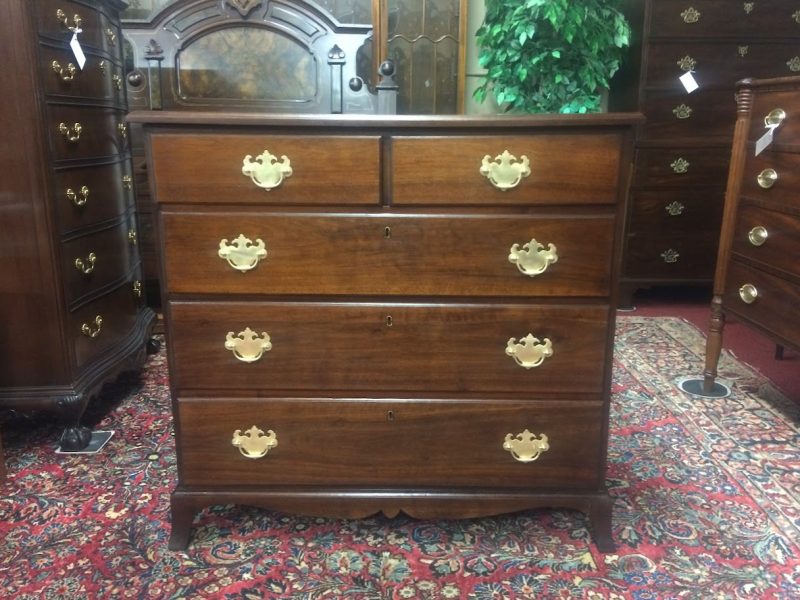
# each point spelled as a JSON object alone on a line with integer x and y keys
{"x": 748, "y": 293}
{"x": 767, "y": 178}
{"x": 247, "y": 346}
{"x": 506, "y": 171}
{"x": 743, "y": 50}
{"x": 137, "y": 288}
{"x": 679, "y": 165}
{"x": 748, "y": 7}
{"x": 133, "y": 238}
{"x": 793, "y": 64}
{"x": 265, "y": 171}
{"x": 675, "y": 208}
{"x": 71, "y": 134}
{"x": 123, "y": 130}
{"x": 111, "y": 37}
{"x": 254, "y": 443}
{"x": 682, "y": 111}
{"x": 687, "y": 63}
{"x": 92, "y": 332}
{"x": 64, "y": 20}
{"x": 86, "y": 265}
{"x": 690, "y": 15}
{"x": 796, "y": 16}
{"x": 64, "y": 73}
{"x": 533, "y": 259}
{"x": 78, "y": 198}
{"x": 775, "y": 117}
{"x": 242, "y": 254}
{"x": 757, "y": 235}
{"x": 670, "y": 256}
{"x": 127, "y": 182}
{"x": 526, "y": 447}
{"x": 117, "y": 81}
{"x": 529, "y": 352}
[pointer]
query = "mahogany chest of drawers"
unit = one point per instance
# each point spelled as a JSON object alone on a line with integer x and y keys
{"x": 758, "y": 278}
{"x": 389, "y": 314}
{"x": 70, "y": 291}
{"x": 683, "y": 149}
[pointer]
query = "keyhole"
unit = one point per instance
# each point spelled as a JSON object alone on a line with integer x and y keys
{"x": 390, "y": 415}
{"x": 387, "y": 232}
{"x": 389, "y": 321}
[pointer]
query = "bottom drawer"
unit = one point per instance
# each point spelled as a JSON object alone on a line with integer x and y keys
{"x": 390, "y": 443}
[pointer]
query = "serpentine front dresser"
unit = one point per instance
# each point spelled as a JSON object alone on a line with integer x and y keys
{"x": 383, "y": 314}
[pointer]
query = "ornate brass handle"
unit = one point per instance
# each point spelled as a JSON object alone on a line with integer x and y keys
{"x": 682, "y": 111}
{"x": 133, "y": 239}
{"x": 92, "y": 332}
{"x": 127, "y": 182}
{"x": 64, "y": 20}
{"x": 78, "y": 198}
{"x": 775, "y": 117}
{"x": 123, "y": 130}
{"x": 533, "y": 259}
{"x": 64, "y": 73}
{"x": 674, "y": 208}
{"x": 793, "y": 64}
{"x": 247, "y": 346}
{"x": 529, "y": 352}
{"x": 117, "y": 81}
{"x": 137, "y": 288}
{"x": 254, "y": 443}
{"x": 505, "y": 171}
{"x": 526, "y": 447}
{"x": 71, "y": 134}
{"x": 748, "y": 7}
{"x": 757, "y": 235}
{"x": 687, "y": 63}
{"x": 265, "y": 171}
{"x": 242, "y": 254}
{"x": 690, "y": 15}
{"x": 680, "y": 165}
{"x": 86, "y": 265}
{"x": 796, "y": 16}
{"x": 748, "y": 293}
{"x": 111, "y": 37}
{"x": 767, "y": 178}
{"x": 670, "y": 256}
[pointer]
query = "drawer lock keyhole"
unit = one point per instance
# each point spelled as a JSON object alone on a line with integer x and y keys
{"x": 390, "y": 415}
{"x": 387, "y": 232}
{"x": 389, "y": 321}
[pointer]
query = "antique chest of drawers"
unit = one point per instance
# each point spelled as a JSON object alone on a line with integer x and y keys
{"x": 758, "y": 278}
{"x": 683, "y": 149}
{"x": 70, "y": 269}
{"x": 389, "y": 314}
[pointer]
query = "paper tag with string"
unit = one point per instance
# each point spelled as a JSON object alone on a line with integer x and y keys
{"x": 689, "y": 82}
{"x": 765, "y": 140}
{"x": 75, "y": 45}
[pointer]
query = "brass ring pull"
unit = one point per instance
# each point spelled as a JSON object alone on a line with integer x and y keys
{"x": 247, "y": 346}
{"x": 265, "y": 171}
{"x": 529, "y": 352}
{"x": 71, "y": 134}
{"x": 137, "y": 288}
{"x": 86, "y": 265}
{"x": 526, "y": 447}
{"x": 767, "y": 178}
{"x": 505, "y": 171}
{"x": 64, "y": 73}
{"x": 748, "y": 293}
{"x": 757, "y": 235}
{"x": 92, "y": 332}
{"x": 242, "y": 254}
{"x": 254, "y": 443}
{"x": 64, "y": 20}
{"x": 775, "y": 117}
{"x": 111, "y": 37}
{"x": 533, "y": 259}
{"x": 78, "y": 198}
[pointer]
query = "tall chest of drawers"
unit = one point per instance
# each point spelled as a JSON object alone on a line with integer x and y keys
{"x": 683, "y": 150}
{"x": 389, "y": 314}
{"x": 757, "y": 279}
{"x": 70, "y": 295}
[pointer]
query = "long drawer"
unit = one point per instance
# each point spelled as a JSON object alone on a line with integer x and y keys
{"x": 394, "y": 347}
{"x": 385, "y": 443}
{"x": 687, "y": 167}
{"x": 708, "y": 19}
{"x": 382, "y": 254}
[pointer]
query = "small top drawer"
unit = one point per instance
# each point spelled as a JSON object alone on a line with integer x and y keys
{"x": 781, "y": 107}
{"x": 562, "y": 168}
{"x": 719, "y": 18}
{"x": 266, "y": 169}
{"x": 57, "y": 19}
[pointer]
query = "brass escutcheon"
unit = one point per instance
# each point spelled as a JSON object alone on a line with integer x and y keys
{"x": 242, "y": 254}
{"x": 92, "y": 331}
{"x": 247, "y": 346}
{"x": 526, "y": 447}
{"x": 529, "y": 352}
{"x": 265, "y": 171}
{"x": 505, "y": 171}
{"x": 748, "y": 293}
{"x": 767, "y": 178}
{"x": 757, "y": 235}
{"x": 254, "y": 443}
{"x": 533, "y": 259}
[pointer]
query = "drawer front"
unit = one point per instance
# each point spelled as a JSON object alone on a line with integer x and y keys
{"x": 772, "y": 177}
{"x": 57, "y": 18}
{"x": 87, "y": 195}
{"x": 767, "y": 236}
{"x": 390, "y": 443}
{"x": 393, "y": 347}
{"x": 94, "y": 261}
{"x": 80, "y": 132}
{"x": 689, "y": 168}
{"x": 671, "y": 255}
{"x": 774, "y": 308}
{"x": 210, "y": 169}
{"x": 766, "y": 102}
{"x": 719, "y": 18}
{"x": 117, "y": 311}
{"x": 675, "y": 211}
{"x": 704, "y": 114}
{"x": 453, "y": 255}
{"x": 563, "y": 169}
{"x": 717, "y": 64}
{"x": 100, "y": 78}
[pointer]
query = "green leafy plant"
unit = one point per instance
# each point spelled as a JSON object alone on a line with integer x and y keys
{"x": 550, "y": 55}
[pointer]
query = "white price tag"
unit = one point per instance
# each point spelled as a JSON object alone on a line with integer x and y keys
{"x": 689, "y": 82}
{"x": 77, "y": 50}
{"x": 765, "y": 140}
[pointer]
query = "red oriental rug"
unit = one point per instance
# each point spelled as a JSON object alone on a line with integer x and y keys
{"x": 706, "y": 505}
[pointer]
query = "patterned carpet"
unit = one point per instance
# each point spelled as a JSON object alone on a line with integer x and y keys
{"x": 706, "y": 505}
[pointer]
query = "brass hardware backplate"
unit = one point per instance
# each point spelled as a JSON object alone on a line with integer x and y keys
{"x": 690, "y": 15}
{"x": 254, "y": 443}
{"x": 265, "y": 171}
{"x": 532, "y": 259}
{"x": 674, "y": 208}
{"x": 767, "y": 178}
{"x": 529, "y": 352}
{"x": 247, "y": 346}
{"x": 748, "y": 293}
{"x": 505, "y": 171}
{"x": 526, "y": 447}
{"x": 682, "y": 111}
{"x": 241, "y": 253}
{"x": 758, "y": 235}
{"x": 680, "y": 165}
